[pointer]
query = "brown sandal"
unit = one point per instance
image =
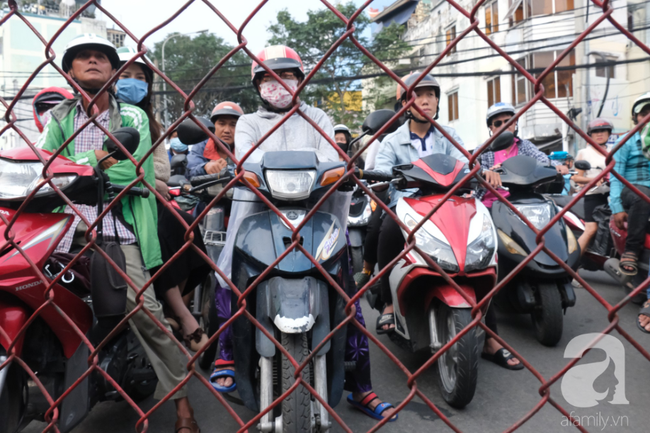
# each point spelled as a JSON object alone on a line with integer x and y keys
{"x": 187, "y": 424}
{"x": 196, "y": 340}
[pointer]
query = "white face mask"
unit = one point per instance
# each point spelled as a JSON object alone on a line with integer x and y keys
{"x": 275, "y": 94}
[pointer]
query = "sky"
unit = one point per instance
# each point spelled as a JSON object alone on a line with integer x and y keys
{"x": 140, "y": 16}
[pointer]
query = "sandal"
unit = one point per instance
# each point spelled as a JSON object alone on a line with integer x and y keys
{"x": 628, "y": 260}
{"x": 385, "y": 319}
{"x": 187, "y": 425}
{"x": 196, "y": 340}
{"x": 363, "y": 406}
{"x": 645, "y": 311}
{"x": 219, "y": 372}
{"x": 501, "y": 358}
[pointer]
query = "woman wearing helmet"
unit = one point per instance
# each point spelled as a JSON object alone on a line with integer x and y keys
{"x": 292, "y": 135}
{"x": 208, "y": 158}
{"x": 188, "y": 270}
{"x": 599, "y": 130}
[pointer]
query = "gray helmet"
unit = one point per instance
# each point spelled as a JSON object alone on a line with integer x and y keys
{"x": 427, "y": 81}
{"x": 599, "y": 124}
{"x": 89, "y": 41}
{"x": 498, "y": 108}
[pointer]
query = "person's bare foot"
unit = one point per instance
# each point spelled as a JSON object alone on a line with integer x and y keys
{"x": 225, "y": 382}
{"x": 492, "y": 346}
{"x": 388, "y": 413}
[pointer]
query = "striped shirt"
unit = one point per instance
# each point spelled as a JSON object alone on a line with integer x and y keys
{"x": 633, "y": 166}
{"x": 92, "y": 138}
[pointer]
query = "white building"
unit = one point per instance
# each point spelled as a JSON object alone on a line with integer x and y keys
{"x": 22, "y": 52}
{"x": 534, "y": 33}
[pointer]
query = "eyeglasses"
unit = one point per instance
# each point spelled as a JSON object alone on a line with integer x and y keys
{"x": 498, "y": 123}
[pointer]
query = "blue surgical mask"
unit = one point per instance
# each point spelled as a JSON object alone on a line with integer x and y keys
{"x": 131, "y": 91}
{"x": 177, "y": 145}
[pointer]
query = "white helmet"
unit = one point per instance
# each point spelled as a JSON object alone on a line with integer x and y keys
{"x": 92, "y": 42}
{"x": 341, "y": 128}
{"x": 639, "y": 103}
{"x": 498, "y": 108}
{"x": 127, "y": 53}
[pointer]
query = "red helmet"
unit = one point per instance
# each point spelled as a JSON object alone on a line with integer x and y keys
{"x": 45, "y": 100}
{"x": 278, "y": 57}
{"x": 599, "y": 123}
{"x": 226, "y": 108}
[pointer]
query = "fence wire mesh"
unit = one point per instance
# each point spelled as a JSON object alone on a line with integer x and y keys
{"x": 75, "y": 328}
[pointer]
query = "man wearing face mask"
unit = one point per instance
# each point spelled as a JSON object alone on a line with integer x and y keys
{"x": 207, "y": 157}
{"x": 294, "y": 134}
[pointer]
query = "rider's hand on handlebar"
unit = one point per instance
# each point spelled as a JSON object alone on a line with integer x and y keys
{"x": 99, "y": 154}
{"x": 562, "y": 169}
{"x": 214, "y": 167}
{"x": 494, "y": 179}
{"x": 619, "y": 219}
{"x": 163, "y": 189}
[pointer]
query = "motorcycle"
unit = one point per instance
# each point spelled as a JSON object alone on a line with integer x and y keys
{"x": 50, "y": 346}
{"x": 542, "y": 288}
{"x": 461, "y": 239}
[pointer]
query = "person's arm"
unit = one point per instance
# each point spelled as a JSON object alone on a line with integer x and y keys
{"x": 245, "y": 138}
{"x": 615, "y": 185}
{"x": 52, "y": 138}
{"x": 196, "y": 161}
{"x": 161, "y": 163}
{"x": 373, "y": 151}
{"x": 386, "y": 158}
{"x": 325, "y": 150}
{"x": 124, "y": 172}
{"x": 453, "y": 150}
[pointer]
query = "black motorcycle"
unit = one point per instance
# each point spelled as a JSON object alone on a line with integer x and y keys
{"x": 542, "y": 288}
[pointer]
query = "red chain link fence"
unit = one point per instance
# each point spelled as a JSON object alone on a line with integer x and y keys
{"x": 48, "y": 304}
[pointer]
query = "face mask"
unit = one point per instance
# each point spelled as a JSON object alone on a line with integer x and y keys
{"x": 275, "y": 94}
{"x": 177, "y": 145}
{"x": 131, "y": 91}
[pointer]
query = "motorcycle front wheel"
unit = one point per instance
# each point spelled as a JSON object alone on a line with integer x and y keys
{"x": 296, "y": 408}
{"x": 547, "y": 315}
{"x": 12, "y": 399}
{"x": 458, "y": 365}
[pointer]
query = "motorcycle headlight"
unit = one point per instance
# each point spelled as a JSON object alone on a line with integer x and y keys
{"x": 19, "y": 179}
{"x": 362, "y": 219}
{"x": 538, "y": 214}
{"x": 440, "y": 252}
{"x": 481, "y": 250}
{"x": 290, "y": 185}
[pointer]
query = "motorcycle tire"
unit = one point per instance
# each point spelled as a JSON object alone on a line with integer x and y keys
{"x": 547, "y": 316}
{"x": 296, "y": 408}
{"x": 458, "y": 365}
{"x": 12, "y": 400}
{"x": 357, "y": 259}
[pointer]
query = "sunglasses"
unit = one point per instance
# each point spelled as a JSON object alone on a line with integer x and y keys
{"x": 498, "y": 123}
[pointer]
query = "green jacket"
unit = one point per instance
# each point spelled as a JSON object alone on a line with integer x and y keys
{"x": 140, "y": 213}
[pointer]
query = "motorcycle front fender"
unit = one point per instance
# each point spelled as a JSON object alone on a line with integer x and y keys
{"x": 356, "y": 236}
{"x": 13, "y": 316}
{"x": 294, "y": 306}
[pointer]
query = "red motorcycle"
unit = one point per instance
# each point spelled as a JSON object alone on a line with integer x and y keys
{"x": 460, "y": 237}
{"x": 50, "y": 346}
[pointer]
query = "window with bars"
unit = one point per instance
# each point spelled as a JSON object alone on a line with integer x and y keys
{"x": 452, "y": 106}
{"x": 557, "y": 84}
{"x": 494, "y": 91}
{"x": 492, "y": 18}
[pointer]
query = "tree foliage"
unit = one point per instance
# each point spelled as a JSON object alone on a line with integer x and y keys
{"x": 313, "y": 37}
{"x": 188, "y": 60}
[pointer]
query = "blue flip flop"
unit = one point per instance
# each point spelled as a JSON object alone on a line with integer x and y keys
{"x": 222, "y": 373}
{"x": 363, "y": 406}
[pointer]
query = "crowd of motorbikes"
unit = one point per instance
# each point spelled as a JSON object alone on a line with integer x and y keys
{"x": 462, "y": 251}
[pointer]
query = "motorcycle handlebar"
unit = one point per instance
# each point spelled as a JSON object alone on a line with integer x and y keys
{"x": 373, "y": 175}
{"x": 199, "y": 180}
{"x": 140, "y": 192}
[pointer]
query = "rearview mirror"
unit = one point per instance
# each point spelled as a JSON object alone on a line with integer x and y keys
{"x": 583, "y": 165}
{"x": 503, "y": 141}
{"x": 377, "y": 119}
{"x": 189, "y": 132}
{"x": 128, "y": 137}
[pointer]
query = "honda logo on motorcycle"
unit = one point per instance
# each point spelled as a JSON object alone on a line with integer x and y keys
{"x": 28, "y": 286}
